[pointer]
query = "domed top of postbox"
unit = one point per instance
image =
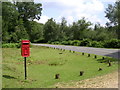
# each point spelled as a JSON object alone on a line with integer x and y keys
{"x": 25, "y": 41}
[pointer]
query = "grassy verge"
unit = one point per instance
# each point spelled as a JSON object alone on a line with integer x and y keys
{"x": 44, "y": 63}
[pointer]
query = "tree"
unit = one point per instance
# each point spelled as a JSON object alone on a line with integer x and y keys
{"x": 75, "y": 30}
{"x": 62, "y": 30}
{"x": 113, "y": 14}
{"x": 20, "y": 32}
{"x": 50, "y": 30}
{"x": 17, "y": 21}
{"x": 79, "y": 27}
{"x": 35, "y": 31}
{"x": 29, "y": 10}
{"x": 9, "y": 20}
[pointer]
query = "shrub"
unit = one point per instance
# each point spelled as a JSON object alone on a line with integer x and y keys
{"x": 95, "y": 44}
{"x": 85, "y": 42}
{"x": 113, "y": 43}
{"x": 69, "y": 42}
{"x": 57, "y": 42}
{"x": 11, "y": 45}
{"x": 76, "y": 42}
{"x": 49, "y": 42}
{"x": 52, "y": 42}
{"x": 64, "y": 42}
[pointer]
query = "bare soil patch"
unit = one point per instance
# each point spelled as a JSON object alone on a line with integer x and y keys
{"x": 105, "y": 81}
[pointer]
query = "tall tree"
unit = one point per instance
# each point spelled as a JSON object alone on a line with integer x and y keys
{"x": 29, "y": 10}
{"x": 9, "y": 20}
{"x": 75, "y": 30}
{"x": 16, "y": 20}
{"x": 50, "y": 30}
{"x": 79, "y": 27}
{"x": 63, "y": 29}
{"x": 35, "y": 31}
{"x": 20, "y": 32}
{"x": 113, "y": 14}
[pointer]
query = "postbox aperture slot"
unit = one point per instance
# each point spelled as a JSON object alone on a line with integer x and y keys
{"x": 25, "y": 43}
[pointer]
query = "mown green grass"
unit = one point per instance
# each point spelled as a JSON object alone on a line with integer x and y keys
{"x": 44, "y": 63}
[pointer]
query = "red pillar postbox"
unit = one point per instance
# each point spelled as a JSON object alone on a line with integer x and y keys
{"x": 25, "y": 52}
{"x": 25, "y": 48}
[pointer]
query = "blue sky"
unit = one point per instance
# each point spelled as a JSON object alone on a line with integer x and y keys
{"x": 73, "y": 10}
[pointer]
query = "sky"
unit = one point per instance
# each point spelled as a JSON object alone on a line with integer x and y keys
{"x": 74, "y": 10}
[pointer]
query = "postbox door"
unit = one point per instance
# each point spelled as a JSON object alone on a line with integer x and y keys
{"x": 25, "y": 51}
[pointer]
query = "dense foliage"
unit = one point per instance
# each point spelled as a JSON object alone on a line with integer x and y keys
{"x": 113, "y": 14}
{"x": 18, "y": 23}
{"x": 113, "y": 43}
{"x": 11, "y": 45}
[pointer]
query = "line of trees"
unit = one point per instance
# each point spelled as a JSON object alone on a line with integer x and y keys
{"x": 18, "y": 23}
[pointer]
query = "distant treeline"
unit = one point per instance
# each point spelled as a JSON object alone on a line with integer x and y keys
{"x": 18, "y": 23}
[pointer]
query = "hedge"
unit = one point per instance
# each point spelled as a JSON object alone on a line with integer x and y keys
{"x": 11, "y": 45}
{"x": 113, "y": 43}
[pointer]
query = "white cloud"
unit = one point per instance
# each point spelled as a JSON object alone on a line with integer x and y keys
{"x": 95, "y": 19}
{"x": 43, "y": 19}
{"x": 81, "y": 8}
{"x": 109, "y": 1}
{"x": 73, "y": 10}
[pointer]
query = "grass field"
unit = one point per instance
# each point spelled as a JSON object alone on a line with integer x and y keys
{"x": 44, "y": 63}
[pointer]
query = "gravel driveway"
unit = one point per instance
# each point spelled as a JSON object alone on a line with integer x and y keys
{"x": 115, "y": 53}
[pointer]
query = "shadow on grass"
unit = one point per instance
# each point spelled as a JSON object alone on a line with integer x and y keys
{"x": 107, "y": 60}
{"x": 8, "y": 77}
{"x": 102, "y": 61}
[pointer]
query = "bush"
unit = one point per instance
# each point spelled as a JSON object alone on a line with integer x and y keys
{"x": 52, "y": 42}
{"x": 49, "y": 42}
{"x": 76, "y": 42}
{"x": 113, "y": 43}
{"x": 64, "y": 42}
{"x": 69, "y": 42}
{"x": 56, "y": 42}
{"x": 11, "y": 45}
{"x": 85, "y": 42}
{"x": 96, "y": 44}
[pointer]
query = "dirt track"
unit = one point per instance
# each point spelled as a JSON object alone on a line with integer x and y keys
{"x": 105, "y": 81}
